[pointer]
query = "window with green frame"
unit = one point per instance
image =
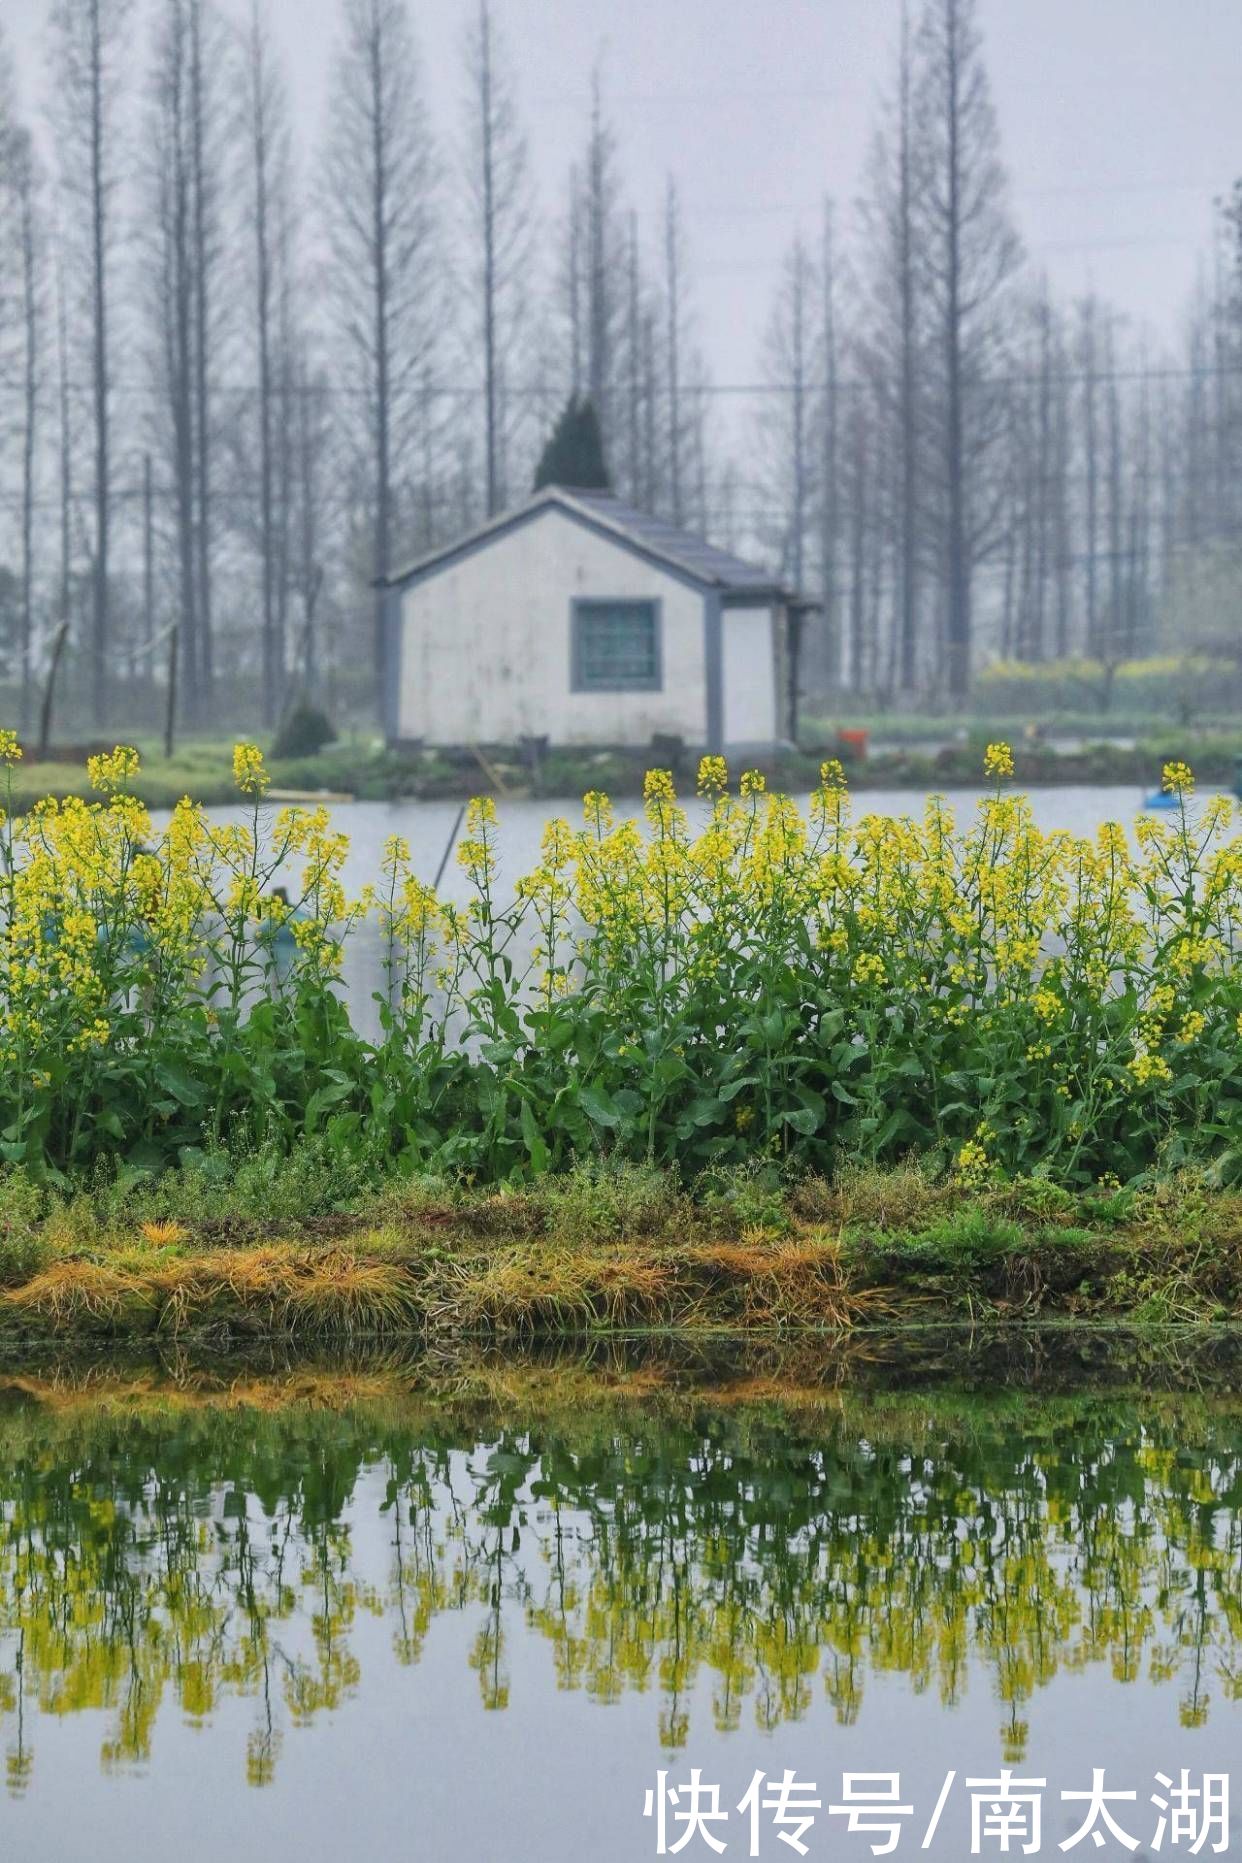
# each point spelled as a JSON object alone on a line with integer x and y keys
{"x": 616, "y": 646}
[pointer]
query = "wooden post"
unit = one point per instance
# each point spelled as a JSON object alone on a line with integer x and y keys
{"x": 45, "y": 715}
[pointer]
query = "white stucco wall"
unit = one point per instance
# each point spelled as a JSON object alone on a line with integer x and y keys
{"x": 749, "y": 677}
{"x": 485, "y": 644}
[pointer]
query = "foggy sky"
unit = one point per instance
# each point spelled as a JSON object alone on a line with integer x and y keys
{"x": 1120, "y": 122}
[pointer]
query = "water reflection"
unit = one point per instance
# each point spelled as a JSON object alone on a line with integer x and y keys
{"x": 167, "y": 1549}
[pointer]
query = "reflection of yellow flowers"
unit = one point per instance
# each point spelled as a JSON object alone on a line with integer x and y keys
{"x": 249, "y": 772}
{"x": 998, "y": 761}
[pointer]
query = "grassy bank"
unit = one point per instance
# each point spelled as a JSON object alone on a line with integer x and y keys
{"x": 276, "y": 1254}
{"x": 922, "y": 758}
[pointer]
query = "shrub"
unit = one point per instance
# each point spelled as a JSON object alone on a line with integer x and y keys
{"x": 24, "y": 1251}
{"x": 304, "y": 733}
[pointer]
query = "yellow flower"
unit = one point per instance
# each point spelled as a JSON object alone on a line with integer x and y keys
{"x": 1047, "y": 1005}
{"x": 713, "y": 776}
{"x": 248, "y": 771}
{"x": 754, "y": 782}
{"x": 10, "y": 749}
{"x": 972, "y": 1164}
{"x": 1177, "y": 779}
{"x": 108, "y": 772}
{"x": 658, "y": 786}
{"x": 832, "y": 774}
{"x": 480, "y": 814}
{"x": 869, "y": 968}
{"x": 998, "y": 761}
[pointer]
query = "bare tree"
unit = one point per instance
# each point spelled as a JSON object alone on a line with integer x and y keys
{"x": 634, "y": 385}
{"x": 313, "y": 509}
{"x": 90, "y": 53}
{"x": 21, "y": 337}
{"x": 168, "y": 267}
{"x": 968, "y": 252}
{"x": 500, "y": 234}
{"x": 268, "y": 161}
{"x": 379, "y": 212}
{"x": 1089, "y": 369}
{"x": 207, "y": 74}
{"x": 25, "y": 182}
{"x": 674, "y": 267}
{"x": 604, "y": 267}
{"x": 571, "y": 281}
{"x": 830, "y": 462}
{"x": 785, "y": 430}
{"x": 895, "y": 341}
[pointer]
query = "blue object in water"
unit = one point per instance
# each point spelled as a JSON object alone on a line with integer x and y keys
{"x": 1160, "y": 799}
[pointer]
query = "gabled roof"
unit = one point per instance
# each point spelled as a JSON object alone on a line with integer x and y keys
{"x": 665, "y": 544}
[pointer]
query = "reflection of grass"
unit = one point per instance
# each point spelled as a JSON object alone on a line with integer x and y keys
{"x": 604, "y": 1249}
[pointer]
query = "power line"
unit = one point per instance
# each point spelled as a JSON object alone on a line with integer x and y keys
{"x": 548, "y": 391}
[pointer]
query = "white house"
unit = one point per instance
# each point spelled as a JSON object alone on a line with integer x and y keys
{"x": 578, "y": 619}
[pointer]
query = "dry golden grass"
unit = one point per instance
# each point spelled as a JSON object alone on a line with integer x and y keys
{"x": 328, "y": 1293}
{"x": 163, "y": 1235}
{"x": 787, "y": 1282}
{"x": 73, "y": 1296}
{"x": 557, "y": 1291}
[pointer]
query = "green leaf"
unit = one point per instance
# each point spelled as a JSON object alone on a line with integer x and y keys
{"x": 533, "y": 1138}
{"x": 599, "y": 1106}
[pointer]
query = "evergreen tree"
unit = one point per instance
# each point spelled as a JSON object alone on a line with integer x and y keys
{"x": 574, "y": 455}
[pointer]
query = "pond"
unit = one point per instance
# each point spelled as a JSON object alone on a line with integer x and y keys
{"x": 479, "y": 1609}
{"x": 428, "y": 827}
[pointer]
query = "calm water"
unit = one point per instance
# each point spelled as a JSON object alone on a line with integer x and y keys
{"x": 315, "y": 1614}
{"x": 427, "y": 827}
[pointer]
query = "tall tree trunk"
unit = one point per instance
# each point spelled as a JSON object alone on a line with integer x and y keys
{"x": 100, "y": 627}
{"x": 383, "y": 468}
{"x": 672, "y": 288}
{"x": 489, "y": 259}
{"x": 263, "y": 308}
{"x": 830, "y": 466}
{"x": 1091, "y": 473}
{"x": 30, "y": 416}
{"x": 202, "y": 345}
{"x": 958, "y": 568}
{"x": 908, "y": 411}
